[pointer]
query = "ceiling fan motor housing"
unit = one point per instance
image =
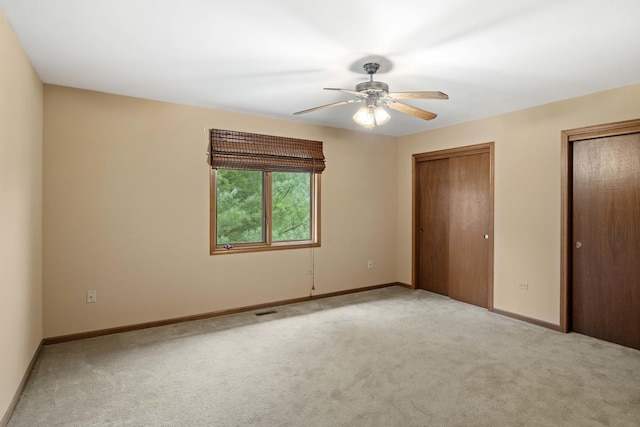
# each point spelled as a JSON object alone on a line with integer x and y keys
{"x": 372, "y": 87}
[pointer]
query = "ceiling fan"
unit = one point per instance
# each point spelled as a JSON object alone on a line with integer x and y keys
{"x": 375, "y": 96}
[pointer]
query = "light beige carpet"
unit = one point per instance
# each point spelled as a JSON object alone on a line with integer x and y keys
{"x": 390, "y": 357}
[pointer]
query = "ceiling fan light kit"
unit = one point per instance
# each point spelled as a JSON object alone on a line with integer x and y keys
{"x": 369, "y": 116}
{"x": 376, "y": 96}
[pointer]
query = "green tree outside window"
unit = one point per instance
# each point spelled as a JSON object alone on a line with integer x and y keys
{"x": 240, "y": 206}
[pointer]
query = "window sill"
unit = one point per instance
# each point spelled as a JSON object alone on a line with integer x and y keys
{"x": 263, "y": 248}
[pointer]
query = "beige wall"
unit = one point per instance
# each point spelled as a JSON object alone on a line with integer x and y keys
{"x": 20, "y": 213}
{"x": 527, "y": 191}
{"x": 126, "y": 202}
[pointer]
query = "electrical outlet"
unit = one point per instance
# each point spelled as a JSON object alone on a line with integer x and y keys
{"x": 524, "y": 286}
{"x": 92, "y": 296}
{"x": 369, "y": 264}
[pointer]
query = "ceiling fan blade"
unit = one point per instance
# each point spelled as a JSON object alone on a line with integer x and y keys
{"x": 418, "y": 95}
{"x": 350, "y": 92}
{"x": 322, "y": 107}
{"x": 408, "y": 109}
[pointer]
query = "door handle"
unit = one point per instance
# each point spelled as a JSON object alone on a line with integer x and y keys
{"x": 578, "y": 245}
{"x": 421, "y": 230}
{"x": 486, "y": 237}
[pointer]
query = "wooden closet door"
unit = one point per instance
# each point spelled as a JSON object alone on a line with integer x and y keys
{"x": 432, "y": 235}
{"x": 453, "y": 215}
{"x": 469, "y": 228}
{"x": 605, "y": 285}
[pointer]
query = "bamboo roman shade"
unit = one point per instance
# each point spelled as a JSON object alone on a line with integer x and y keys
{"x": 249, "y": 151}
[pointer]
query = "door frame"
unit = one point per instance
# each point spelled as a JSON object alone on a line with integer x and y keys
{"x": 488, "y": 147}
{"x": 568, "y": 137}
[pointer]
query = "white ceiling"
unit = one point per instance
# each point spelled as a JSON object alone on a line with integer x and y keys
{"x": 273, "y": 57}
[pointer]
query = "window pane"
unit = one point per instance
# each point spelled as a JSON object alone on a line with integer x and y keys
{"x": 291, "y": 206}
{"x": 239, "y": 207}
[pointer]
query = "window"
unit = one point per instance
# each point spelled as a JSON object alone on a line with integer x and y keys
{"x": 265, "y": 192}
